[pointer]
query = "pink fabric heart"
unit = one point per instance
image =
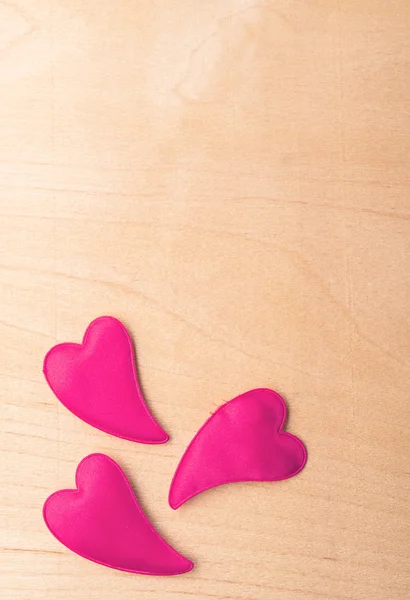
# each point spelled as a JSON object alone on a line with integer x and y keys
{"x": 102, "y": 521}
{"x": 97, "y": 381}
{"x": 242, "y": 441}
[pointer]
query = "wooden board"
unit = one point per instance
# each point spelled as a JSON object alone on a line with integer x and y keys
{"x": 231, "y": 179}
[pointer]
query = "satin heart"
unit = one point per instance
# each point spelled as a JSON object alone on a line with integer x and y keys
{"x": 242, "y": 441}
{"x": 97, "y": 381}
{"x": 102, "y": 521}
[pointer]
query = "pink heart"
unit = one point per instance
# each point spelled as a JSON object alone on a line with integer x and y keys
{"x": 102, "y": 521}
{"x": 97, "y": 381}
{"x": 242, "y": 441}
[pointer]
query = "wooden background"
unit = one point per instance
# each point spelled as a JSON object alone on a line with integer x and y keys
{"x": 231, "y": 179}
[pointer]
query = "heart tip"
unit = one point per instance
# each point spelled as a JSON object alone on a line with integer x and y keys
{"x": 154, "y": 438}
{"x": 185, "y": 567}
{"x": 165, "y": 438}
{"x": 174, "y": 504}
{"x": 189, "y": 567}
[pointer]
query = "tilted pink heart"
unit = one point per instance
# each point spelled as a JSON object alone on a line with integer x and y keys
{"x": 97, "y": 381}
{"x": 242, "y": 441}
{"x": 102, "y": 521}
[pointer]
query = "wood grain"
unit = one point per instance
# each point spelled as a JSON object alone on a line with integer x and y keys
{"x": 231, "y": 179}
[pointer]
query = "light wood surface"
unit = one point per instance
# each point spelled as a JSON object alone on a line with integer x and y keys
{"x": 231, "y": 179}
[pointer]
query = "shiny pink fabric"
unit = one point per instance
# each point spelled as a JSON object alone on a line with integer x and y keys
{"x": 102, "y": 521}
{"x": 97, "y": 381}
{"x": 242, "y": 441}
